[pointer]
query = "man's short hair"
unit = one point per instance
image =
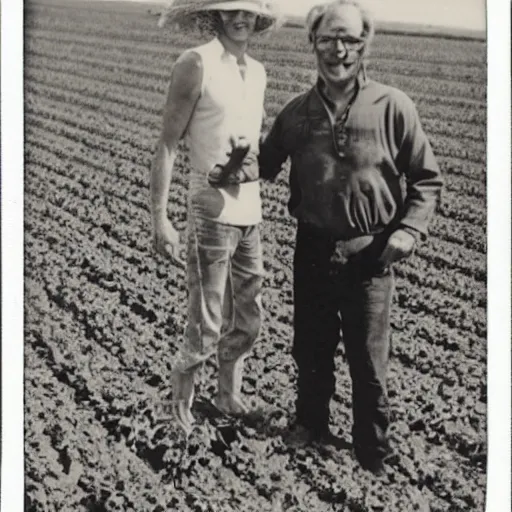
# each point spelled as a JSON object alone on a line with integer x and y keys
{"x": 317, "y": 13}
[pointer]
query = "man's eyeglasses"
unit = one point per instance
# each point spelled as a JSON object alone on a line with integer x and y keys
{"x": 350, "y": 44}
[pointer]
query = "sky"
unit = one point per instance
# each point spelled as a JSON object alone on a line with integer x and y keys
{"x": 469, "y": 14}
{"x": 465, "y": 14}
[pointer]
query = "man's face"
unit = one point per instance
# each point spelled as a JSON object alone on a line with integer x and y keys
{"x": 238, "y": 25}
{"x": 338, "y": 44}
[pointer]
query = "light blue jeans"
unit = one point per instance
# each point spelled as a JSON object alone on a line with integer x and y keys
{"x": 225, "y": 277}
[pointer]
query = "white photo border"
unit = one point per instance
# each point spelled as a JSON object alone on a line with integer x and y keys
{"x": 499, "y": 255}
{"x": 12, "y": 467}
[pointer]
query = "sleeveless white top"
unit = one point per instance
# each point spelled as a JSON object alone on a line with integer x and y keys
{"x": 229, "y": 105}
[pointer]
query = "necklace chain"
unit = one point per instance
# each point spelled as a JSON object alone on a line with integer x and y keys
{"x": 340, "y": 128}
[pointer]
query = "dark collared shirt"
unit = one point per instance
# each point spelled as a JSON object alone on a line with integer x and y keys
{"x": 383, "y": 176}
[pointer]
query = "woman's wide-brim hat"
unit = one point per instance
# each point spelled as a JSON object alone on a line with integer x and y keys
{"x": 181, "y": 11}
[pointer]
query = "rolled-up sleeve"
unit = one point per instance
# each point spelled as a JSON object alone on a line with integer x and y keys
{"x": 419, "y": 165}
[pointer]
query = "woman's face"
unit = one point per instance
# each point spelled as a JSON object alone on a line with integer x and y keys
{"x": 238, "y": 25}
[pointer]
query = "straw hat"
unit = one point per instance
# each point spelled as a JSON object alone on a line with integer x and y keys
{"x": 187, "y": 12}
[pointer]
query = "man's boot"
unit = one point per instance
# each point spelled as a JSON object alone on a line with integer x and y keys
{"x": 228, "y": 399}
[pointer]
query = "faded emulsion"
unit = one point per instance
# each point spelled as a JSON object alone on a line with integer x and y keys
{"x": 255, "y": 272}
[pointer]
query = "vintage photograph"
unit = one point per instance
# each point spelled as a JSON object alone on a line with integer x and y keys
{"x": 255, "y": 256}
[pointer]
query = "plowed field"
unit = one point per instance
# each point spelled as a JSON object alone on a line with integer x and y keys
{"x": 105, "y": 316}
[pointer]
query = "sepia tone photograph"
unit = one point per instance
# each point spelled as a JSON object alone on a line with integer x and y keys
{"x": 255, "y": 265}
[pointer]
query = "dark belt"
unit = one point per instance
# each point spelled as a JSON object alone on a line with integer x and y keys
{"x": 369, "y": 247}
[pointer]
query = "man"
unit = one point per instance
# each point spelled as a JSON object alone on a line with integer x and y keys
{"x": 215, "y": 101}
{"x": 364, "y": 185}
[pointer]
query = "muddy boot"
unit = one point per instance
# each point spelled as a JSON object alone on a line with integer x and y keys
{"x": 182, "y": 398}
{"x": 228, "y": 399}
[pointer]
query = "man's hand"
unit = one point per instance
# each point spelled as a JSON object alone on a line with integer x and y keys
{"x": 232, "y": 172}
{"x": 369, "y": 201}
{"x": 400, "y": 245}
{"x": 239, "y": 149}
{"x": 166, "y": 241}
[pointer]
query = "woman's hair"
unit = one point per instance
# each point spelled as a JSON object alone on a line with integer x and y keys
{"x": 209, "y": 23}
{"x": 206, "y": 23}
{"x": 318, "y": 12}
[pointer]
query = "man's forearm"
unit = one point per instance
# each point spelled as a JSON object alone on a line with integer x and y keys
{"x": 160, "y": 181}
{"x": 423, "y": 195}
{"x": 270, "y": 161}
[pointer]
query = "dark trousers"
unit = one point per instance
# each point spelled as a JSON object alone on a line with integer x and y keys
{"x": 353, "y": 297}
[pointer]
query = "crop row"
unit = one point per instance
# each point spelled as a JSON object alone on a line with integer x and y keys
{"x": 143, "y": 29}
{"x": 125, "y": 409}
{"x": 143, "y": 147}
{"x": 417, "y": 271}
{"x": 57, "y": 101}
{"x": 446, "y": 251}
{"x": 447, "y": 121}
{"x": 428, "y": 83}
{"x": 468, "y": 176}
{"x": 450, "y": 258}
{"x": 129, "y": 327}
{"x": 65, "y": 187}
{"x": 465, "y": 234}
{"x": 140, "y": 53}
{"x": 270, "y": 58}
{"x": 87, "y": 301}
{"x": 66, "y": 469}
{"x": 450, "y": 311}
{"x": 449, "y": 89}
{"x": 98, "y": 323}
{"x": 442, "y": 254}
{"x": 469, "y": 171}
{"x": 148, "y": 115}
{"x": 448, "y": 147}
{"x": 445, "y": 228}
{"x": 134, "y": 193}
{"x": 113, "y": 230}
{"x": 420, "y": 273}
{"x": 452, "y": 168}
{"x": 156, "y": 77}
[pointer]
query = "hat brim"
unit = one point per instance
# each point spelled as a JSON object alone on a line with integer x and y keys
{"x": 238, "y": 6}
{"x": 266, "y": 18}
